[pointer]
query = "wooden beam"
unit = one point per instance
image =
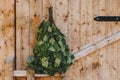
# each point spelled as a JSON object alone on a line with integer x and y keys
{"x": 108, "y": 40}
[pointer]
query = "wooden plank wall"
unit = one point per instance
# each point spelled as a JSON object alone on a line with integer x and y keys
{"x": 6, "y": 33}
{"x": 104, "y": 63}
{"x": 75, "y": 19}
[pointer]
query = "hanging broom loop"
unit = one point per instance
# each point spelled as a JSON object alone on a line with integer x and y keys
{"x": 51, "y": 14}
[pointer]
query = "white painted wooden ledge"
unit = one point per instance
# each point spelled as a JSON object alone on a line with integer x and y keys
{"x": 102, "y": 43}
{"x": 23, "y": 73}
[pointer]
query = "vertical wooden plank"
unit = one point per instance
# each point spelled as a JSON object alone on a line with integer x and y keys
{"x": 69, "y": 23}
{"x": 95, "y": 65}
{"x": 118, "y": 44}
{"x": 6, "y": 33}
{"x": 101, "y": 34}
{"x": 95, "y": 37}
{"x": 98, "y": 29}
{"x": 9, "y": 68}
{"x": 86, "y": 29}
{"x": 46, "y": 5}
{"x": 61, "y": 19}
{"x": 111, "y": 11}
{"x": 83, "y": 69}
{"x": 74, "y": 25}
{"x": 2, "y": 41}
{"x": 61, "y": 13}
{"x": 89, "y": 23}
{"x": 83, "y": 36}
{"x": 30, "y": 74}
{"x": 86, "y": 37}
{"x": 98, "y": 34}
{"x": 111, "y": 61}
{"x": 35, "y": 20}
{"x": 22, "y": 34}
{"x": 111, "y": 49}
{"x": 89, "y": 68}
{"x": 118, "y": 52}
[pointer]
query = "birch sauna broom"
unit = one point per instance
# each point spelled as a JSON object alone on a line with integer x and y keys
{"x": 51, "y": 53}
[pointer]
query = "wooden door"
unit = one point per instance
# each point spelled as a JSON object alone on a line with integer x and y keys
{"x": 19, "y": 20}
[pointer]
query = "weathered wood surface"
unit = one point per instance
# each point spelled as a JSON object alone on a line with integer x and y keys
{"x": 75, "y": 19}
{"x": 22, "y": 34}
{"x": 112, "y": 49}
{"x": 9, "y": 68}
{"x": 6, "y": 34}
{"x": 118, "y": 44}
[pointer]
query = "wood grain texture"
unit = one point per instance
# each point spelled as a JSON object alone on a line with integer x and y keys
{"x": 48, "y": 78}
{"x": 6, "y": 33}
{"x": 61, "y": 16}
{"x": 86, "y": 29}
{"x": 118, "y": 44}
{"x": 111, "y": 49}
{"x": 36, "y": 9}
{"x": 118, "y": 59}
{"x": 100, "y": 35}
{"x": 30, "y": 74}
{"x": 22, "y": 34}
{"x": 9, "y": 67}
{"x": 74, "y": 25}
{"x": 46, "y": 6}
{"x": 73, "y": 37}
{"x": 86, "y": 36}
{"x": 75, "y": 19}
{"x": 35, "y": 20}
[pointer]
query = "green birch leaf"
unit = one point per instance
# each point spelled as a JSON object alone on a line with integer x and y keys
{"x": 69, "y": 60}
{"x": 40, "y": 43}
{"x": 57, "y": 62}
{"x": 51, "y": 49}
{"x": 44, "y": 61}
{"x": 52, "y": 40}
{"x": 45, "y": 38}
{"x": 62, "y": 49}
{"x": 60, "y": 43}
{"x": 49, "y": 29}
{"x": 45, "y": 64}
